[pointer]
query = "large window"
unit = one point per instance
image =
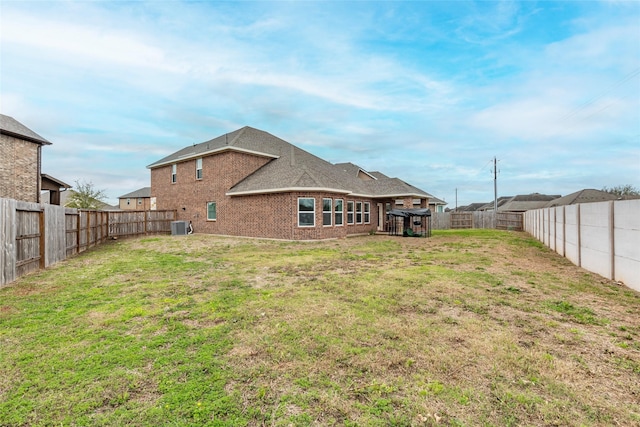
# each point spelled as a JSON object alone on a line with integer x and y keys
{"x": 326, "y": 212}
{"x": 306, "y": 212}
{"x": 199, "y": 168}
{"x": 367, "y": 213}
{"x": 359, "y": 212}
{"x": 349, "y": 212}
{"x": 338, "y": 211}
{"x": 212, "y": 213}
{"x": 174, "y": 173}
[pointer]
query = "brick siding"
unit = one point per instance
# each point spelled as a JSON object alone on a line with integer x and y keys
{"x": 19, "y": 169}
{"x": 264, "y": 215}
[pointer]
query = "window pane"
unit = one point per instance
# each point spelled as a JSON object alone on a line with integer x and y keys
{"x": 338, "y": 211}
{"x": 211, "y": 211}
{"x": 306, "y": 219}
{"x": 306, "y": 205}
{"x": 326, "y": 211}
{"x": 306, "y": 212}
{"x": 349, "y": 212}
{"x": 199, "y": 168}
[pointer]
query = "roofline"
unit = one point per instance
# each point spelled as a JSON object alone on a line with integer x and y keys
{"x": 287, "y": 190}
{"x": 379, "y": 196}
{"x": 327, "y": 190}
{"x": 24, "y": 137}
{"x": 206, "y": 153}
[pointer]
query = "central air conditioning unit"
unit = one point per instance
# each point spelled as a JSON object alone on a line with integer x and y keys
{"x": 179, "y": 228}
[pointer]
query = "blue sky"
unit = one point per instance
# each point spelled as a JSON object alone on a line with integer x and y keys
{"x": 429, "y": 91}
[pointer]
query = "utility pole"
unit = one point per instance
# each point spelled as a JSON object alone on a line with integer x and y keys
{"x": 495, "y": 185}
{"x": 456, "y": 200}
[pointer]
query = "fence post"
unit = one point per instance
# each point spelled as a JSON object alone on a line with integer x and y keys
{"x": 578, "y": 233}
{"x": 564, "y": 231}
{"x": 42, "y": 238}
{"x": 612, "y": 239}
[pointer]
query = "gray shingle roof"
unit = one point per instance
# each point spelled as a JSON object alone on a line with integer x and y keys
{"x": 583, "y": 196}
{"x": 10, "y": 126}
{"x": 291, "y": 168}
{"x": 141, "y": 192}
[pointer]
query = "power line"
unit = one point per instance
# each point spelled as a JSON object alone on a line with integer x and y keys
{"x": 595, "y": 98}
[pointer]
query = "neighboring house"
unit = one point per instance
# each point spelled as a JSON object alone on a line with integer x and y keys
{"x": 51, "y": 189}
{"x": 20, "y": 161}
{"x": 470, "y": 208}
{"x": 521, "y": 203}
{"x": 436, "y": 205}
{"x": 251, "y": 183}
{"x": 136, "y": 200}
{"x": 587, "y": 195}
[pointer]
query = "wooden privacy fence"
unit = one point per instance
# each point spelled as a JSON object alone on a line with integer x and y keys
{"x": 35, "y": 236}
{"x": 478, "y": 219}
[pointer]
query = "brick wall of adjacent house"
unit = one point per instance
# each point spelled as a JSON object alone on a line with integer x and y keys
{"x": 262, "y": 215}
{"x": 19, "y": 169}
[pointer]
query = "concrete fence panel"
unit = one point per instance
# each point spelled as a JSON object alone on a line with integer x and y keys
{"x": 595, "y": 238}
{"x": 601, "y": 237}
{"x": 572, "y": 236}
{"x": 627, "y": 242}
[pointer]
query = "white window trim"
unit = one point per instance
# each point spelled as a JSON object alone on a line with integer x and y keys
{"x": 216, "y": 205}
{"x": 367, "y": 212}
{"x": 199, "y": 169}
{"x": 174, "y": 173}
{"x": 307, "y": 212}
{"x": 336, "y": 212}
{"x": 330, "y": 212}
{"x": 360, "y": 212}
{"x": 353, "y": 212}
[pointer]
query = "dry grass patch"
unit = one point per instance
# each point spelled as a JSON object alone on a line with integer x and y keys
{"x": 465, "y": 328}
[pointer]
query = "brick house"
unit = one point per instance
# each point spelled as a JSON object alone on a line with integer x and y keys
{"x": 20, "y": 161}
{"x": 251, "y": 183}
{"x": 136, "y": 200}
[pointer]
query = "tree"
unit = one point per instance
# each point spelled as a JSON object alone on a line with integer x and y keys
{"x": 623, "y": 190}
{"x": 84, "y": 196}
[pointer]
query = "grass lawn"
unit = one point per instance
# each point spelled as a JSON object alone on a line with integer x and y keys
{"x": 470, "y": 328}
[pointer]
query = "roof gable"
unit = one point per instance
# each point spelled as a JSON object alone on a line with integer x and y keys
{"x": 141, "y": 192}
{"x": 12, "y": 127}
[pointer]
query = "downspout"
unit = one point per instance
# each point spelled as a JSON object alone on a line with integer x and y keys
{"x": 38, "y": 175}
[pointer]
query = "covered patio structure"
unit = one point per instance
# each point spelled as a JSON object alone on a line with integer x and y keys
{"x": 410, "y": 222}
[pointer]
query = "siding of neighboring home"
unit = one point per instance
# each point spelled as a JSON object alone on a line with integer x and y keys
{"x": 19, "y": 169}
{"x": 144, "y": 205}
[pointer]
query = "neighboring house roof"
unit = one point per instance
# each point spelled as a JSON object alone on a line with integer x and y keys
{"x": 141, "y": 192}
{"x": 587, "y": 195}
{"x": 54, "y": 181}
{"x": 12, "y": 127}
{"x": 489, "y": 206}
{"x": 472, "y": 207}
{"x": 525, "y": 202}
{"x": 291, "y": 168}
{"x": 436, "y": 201}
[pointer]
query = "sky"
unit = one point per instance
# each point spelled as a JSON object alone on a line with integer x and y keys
{"x": 426, "y": 91}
